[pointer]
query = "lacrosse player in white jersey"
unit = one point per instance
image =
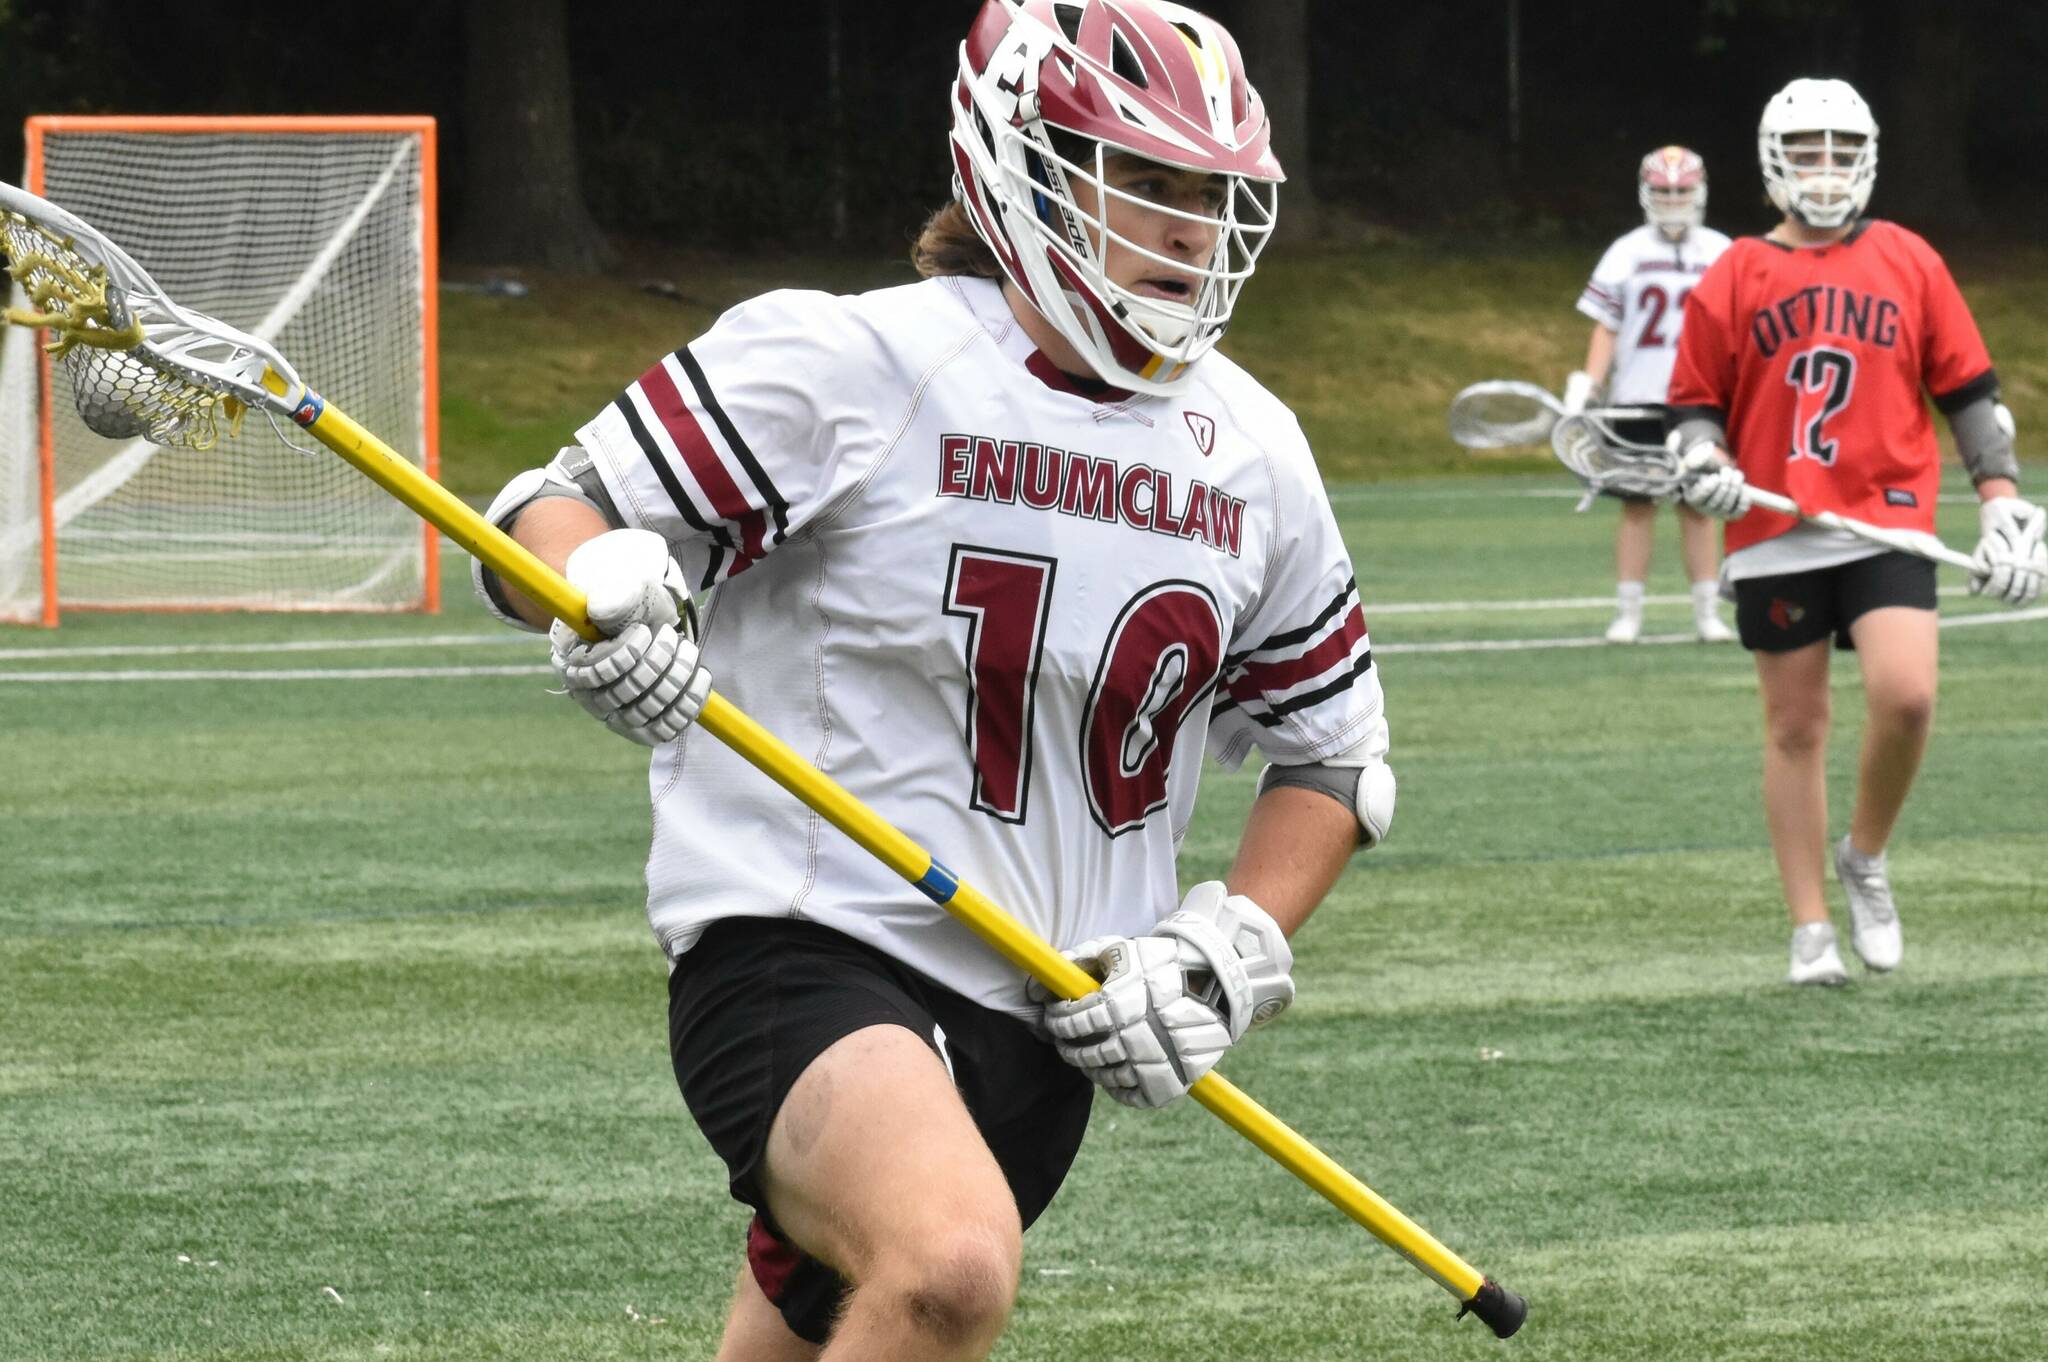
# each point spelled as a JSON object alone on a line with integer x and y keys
{"x": 1636, "y": 299}
{"x": 1003, "y": 552}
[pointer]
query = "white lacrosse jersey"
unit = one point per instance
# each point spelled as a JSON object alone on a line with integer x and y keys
{"x": 1005, "y": 614}
{"x": 1638, "y": 291}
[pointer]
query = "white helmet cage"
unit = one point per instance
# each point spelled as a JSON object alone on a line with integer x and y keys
{"x": 1018, "y": 174}
{"x": 1671, "y": 186}
{"x": 1826, "y": 180}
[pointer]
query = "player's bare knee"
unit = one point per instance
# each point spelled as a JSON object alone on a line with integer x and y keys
{"x": 959, "y": 1286}
{"x": 1908, "y": 710}
{"x": 1798, "y": 731}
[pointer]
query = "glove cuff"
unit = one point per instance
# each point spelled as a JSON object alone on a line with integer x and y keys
{"x": 1242, "y": 950}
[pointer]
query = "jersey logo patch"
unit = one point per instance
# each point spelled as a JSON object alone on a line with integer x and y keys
{"x": 1899, "y": 496}
{"x": 1203, "y": 429}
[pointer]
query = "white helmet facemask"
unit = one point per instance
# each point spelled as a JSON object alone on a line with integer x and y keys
{"x": 1076, "y": 200}
{"x": 1674, "y": 212}
{"x": 1817, "y": 145}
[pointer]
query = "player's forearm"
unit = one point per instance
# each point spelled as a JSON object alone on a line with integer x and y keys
{"x": 1296, "y": 842}
{"x": 1599, "y": 355}
{"x": 551, "y": 530}
{"x": 1992, "y": 488}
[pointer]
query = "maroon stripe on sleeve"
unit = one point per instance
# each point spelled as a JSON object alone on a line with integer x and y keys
{"x": 1270, "y": 677}
{"x": 681, "y": 424}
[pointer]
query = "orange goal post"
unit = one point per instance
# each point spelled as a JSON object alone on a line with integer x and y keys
{"x": 314, "y": 233}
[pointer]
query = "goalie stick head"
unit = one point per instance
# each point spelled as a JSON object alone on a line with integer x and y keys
{"x": 140, "y": 365}
{"x": 1049, "y": 91}
{"x": 1606, "y": 462}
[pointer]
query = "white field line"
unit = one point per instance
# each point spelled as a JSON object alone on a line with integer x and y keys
{"x": 1542, "y": 603}
{"x": 1345, "y": 493}
{"x": 509, "y": 639}
{"x": 325, "y": 645}
{"x": 1514, "y": 645}
{"x": 306, "y": 674}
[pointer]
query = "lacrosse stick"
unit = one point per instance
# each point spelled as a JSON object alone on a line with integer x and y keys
{"x": 1606, "y": 463}
{"x": 142, "y": 365}
{"x": 1504, "y": 412}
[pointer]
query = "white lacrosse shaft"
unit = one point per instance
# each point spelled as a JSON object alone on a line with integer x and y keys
{"x": 1915, "y": 542}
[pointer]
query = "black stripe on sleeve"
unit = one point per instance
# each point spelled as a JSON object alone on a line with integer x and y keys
{"x": 721, "y": 541}
{"x": 1291, "y": 637}
{"x": 776, "y": 505}
{"x": 1335, "y": 687}
{"x": 1976, "y": 390}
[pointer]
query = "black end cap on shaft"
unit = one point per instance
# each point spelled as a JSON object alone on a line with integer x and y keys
{"x": 1498, "y": 1308}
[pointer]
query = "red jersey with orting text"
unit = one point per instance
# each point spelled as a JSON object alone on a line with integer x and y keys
{"x": 1815, "y": 360}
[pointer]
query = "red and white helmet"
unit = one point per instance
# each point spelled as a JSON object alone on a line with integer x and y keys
{"x": 1048, "y": 89}
{"x": 1671, "y": 185}
{"x": 1826, "y": 181}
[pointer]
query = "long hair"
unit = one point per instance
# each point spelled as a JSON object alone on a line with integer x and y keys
{"x": 947, "y": 244}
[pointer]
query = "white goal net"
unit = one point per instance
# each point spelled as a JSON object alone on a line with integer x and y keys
{"x": 313, "y": 234}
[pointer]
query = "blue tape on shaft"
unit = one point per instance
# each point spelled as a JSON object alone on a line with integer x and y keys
{"x": 939, "y": 884}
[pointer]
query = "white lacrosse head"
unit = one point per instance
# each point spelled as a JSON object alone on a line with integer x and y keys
{"x": 1048, "y": 91}
{"x": 1817, "y": 143}
{"x": 140, "y": 365}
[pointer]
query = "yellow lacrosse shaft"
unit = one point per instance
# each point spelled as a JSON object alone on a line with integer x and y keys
{"x": 1499, "y": 1309}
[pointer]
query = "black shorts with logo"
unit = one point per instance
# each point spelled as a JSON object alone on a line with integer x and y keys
{"x": 1779, "y": 614}
{"x": 757, "y": 999}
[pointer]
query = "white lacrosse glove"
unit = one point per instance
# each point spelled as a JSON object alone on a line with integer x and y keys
{"x": 2012, "y": 560}
{"x": 1713, "y": 486}
{"x": 1578, "y": 390}
{"x": 643, "y": 680}
{"x": 1174, "y": 1000}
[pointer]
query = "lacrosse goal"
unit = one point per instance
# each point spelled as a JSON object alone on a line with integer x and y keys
{"x": 316, "y": 234}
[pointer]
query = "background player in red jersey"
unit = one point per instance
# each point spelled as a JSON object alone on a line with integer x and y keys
{"x": 1805, "y": 354}
{"x": 1636, "y": 299}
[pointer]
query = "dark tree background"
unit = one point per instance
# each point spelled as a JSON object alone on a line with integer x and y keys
{"x": 724, "y": 126}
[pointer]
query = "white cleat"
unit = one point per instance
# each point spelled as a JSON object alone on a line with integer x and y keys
{"x": 1711, "y": 630}
{"x": 1814, "y": 957}
{"x": 1873, "y": 917}
{"x": 1625, "y": 629}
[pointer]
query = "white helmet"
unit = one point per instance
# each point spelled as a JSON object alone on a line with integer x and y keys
{"x": 1833, "y": 186}
{"x": 1047, "y": 91}
{"x": 1671, "y": 185}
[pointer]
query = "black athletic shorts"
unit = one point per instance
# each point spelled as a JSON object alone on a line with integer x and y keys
{"x": 1648, "y": 430}
{"x": 1779, "y": 614}
{"x": 757, "y": 999}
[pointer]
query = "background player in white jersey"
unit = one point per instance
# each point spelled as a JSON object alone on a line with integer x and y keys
{"x": 1636, "y": 299}
{"x": 1003, "y": 552}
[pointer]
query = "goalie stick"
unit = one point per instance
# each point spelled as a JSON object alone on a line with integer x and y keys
{"x": 143, "y": 365}
{"x": 1607, "y": 463}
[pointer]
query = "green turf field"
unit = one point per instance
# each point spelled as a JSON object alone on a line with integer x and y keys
{"x": 334, "y": 1029}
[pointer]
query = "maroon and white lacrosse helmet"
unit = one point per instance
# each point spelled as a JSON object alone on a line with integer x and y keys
{"x": 1671, "y": 184}
{"x": 1048, "y": 90}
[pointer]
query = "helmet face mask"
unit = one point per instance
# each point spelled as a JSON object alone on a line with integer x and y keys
{"x": 1070, "y": 119}
{"x": 1818, "y": 147}
{"x": 1671, "y": 186}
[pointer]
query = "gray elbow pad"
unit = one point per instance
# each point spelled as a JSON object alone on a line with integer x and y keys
{"x": 1984, "y": 431}
{"x": 570, "y": 475}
